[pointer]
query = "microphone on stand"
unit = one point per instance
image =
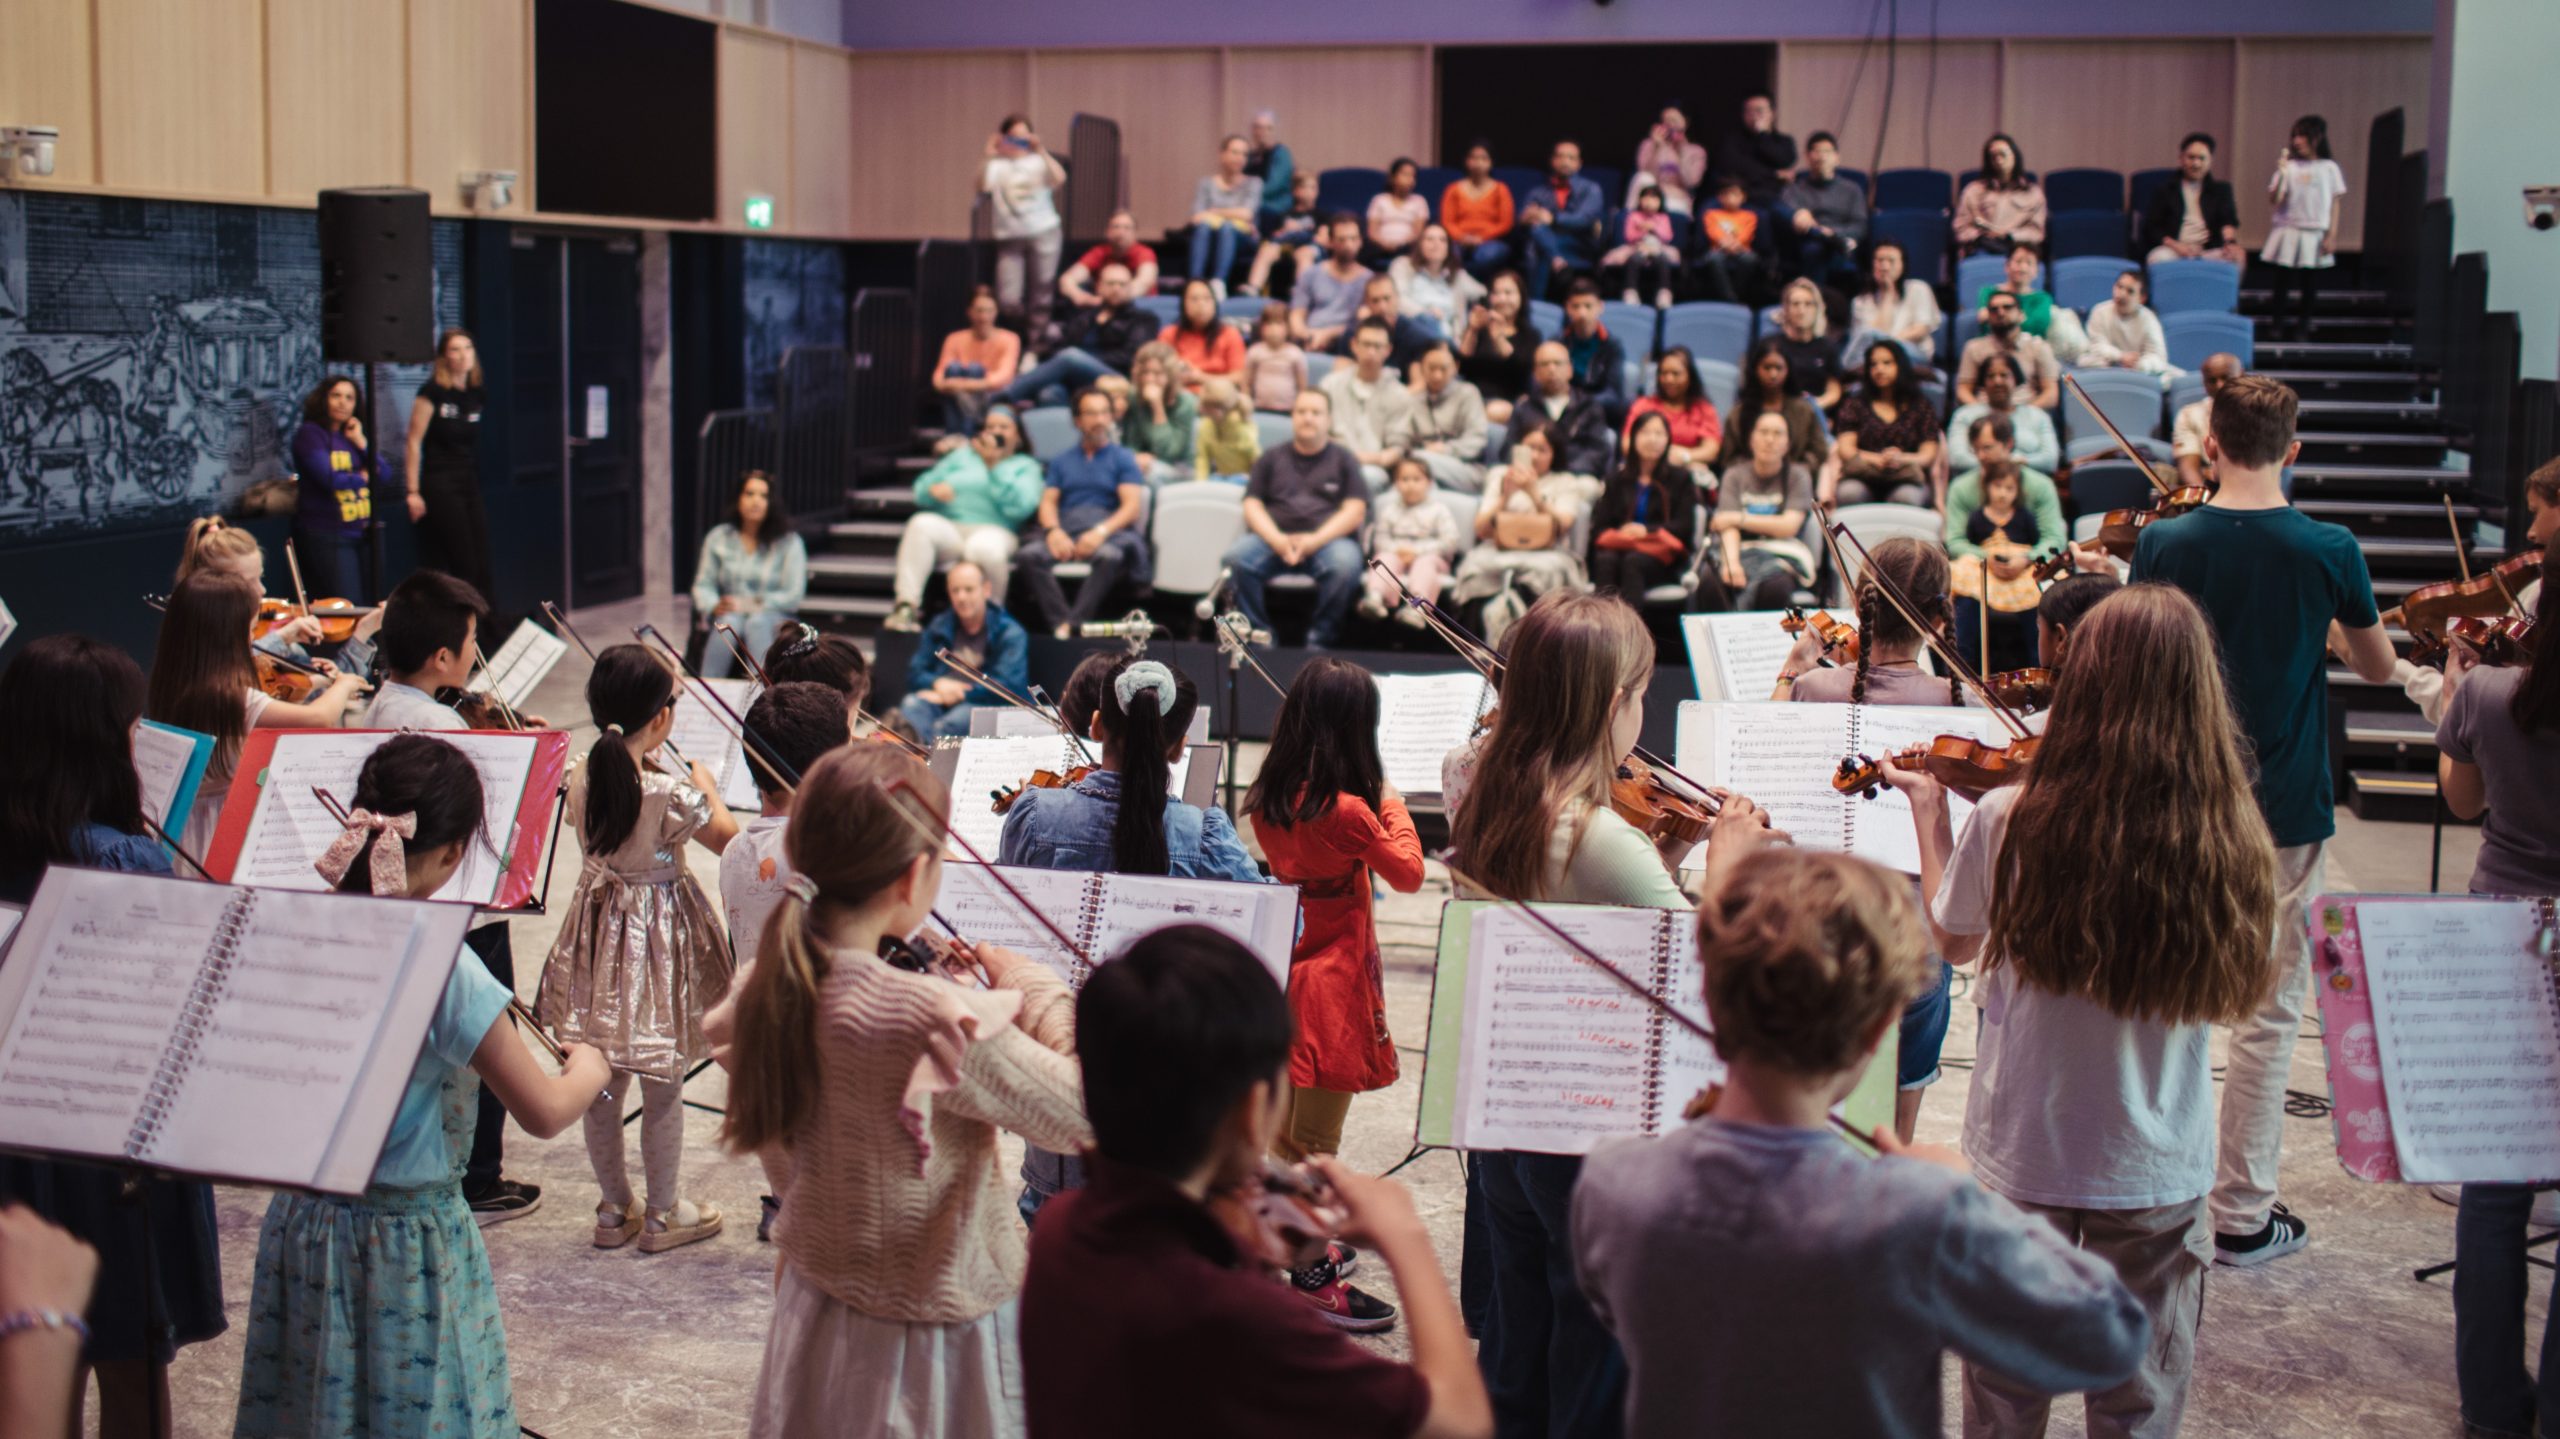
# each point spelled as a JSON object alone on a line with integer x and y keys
{"x": 1134, "y": 627}
{"x": 1207, "y": 609}
{"x": 1236, "y": 626}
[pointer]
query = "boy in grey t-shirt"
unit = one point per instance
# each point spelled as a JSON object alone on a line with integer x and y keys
{"x": 1762, "y": 1276}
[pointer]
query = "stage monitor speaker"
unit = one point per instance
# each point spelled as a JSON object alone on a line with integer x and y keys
{"x": 377, "y": 277}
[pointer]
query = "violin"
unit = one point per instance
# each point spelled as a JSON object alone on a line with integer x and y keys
{"x": 2499, "y": 640}
{"x": 1040, "y": 779}
{"x": 2028, "y": 689}
{"x": 2424, "y": 611}
{"x": 1960, "y": 762}
{"x": 338, "y": 618}
{"x": 1644, "y": 799}
{"x": 2120, "y": 530}
{"x": 479, "y": 711}
{"x": 1839, "y": 637}
{"x": 287, "y": 680}
{"x": 1285, "y": 1216}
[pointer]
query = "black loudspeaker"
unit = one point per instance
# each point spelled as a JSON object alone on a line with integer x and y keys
{"x": 377, "y": 277}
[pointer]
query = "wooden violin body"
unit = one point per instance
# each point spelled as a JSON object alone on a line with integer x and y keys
{"x": 2120, "y": 530}
{"x": 282, "y": 679}
{"x": 2426, "y": 610}
{"x": 1961, "y": 763}
{"x": 1839, "y": 637}
{"x": 2029, "y": 689}
{"x": 1644, "y": 799}
{"x": 1040, "y": 779}
{"x": 479, "y": 711}
{"x": 2499, "y": 640}
{"x": 338, "y": 618}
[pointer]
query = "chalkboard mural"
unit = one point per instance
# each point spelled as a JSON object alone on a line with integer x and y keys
{"x": 154, "y": 355}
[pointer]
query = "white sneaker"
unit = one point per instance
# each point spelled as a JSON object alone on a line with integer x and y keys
{"x": 1373, "y": 607}
{"x": 1631, "y": 296}
{"x": 1219, "y": 289}
{"x": 1662, "y": 298}
{"x": 902, "y": 618}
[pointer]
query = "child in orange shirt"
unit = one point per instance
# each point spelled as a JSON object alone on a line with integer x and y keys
{"x": 1731, "y": 263}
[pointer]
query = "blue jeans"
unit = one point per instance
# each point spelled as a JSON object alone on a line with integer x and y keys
{"x": 1213, "y": 250}
{"x": 1482, "y": 261}
{"x": 1546, "y": 246}
{"x": 2489, "y": 1280}
{"x": 1336, "y": 568}
{"x": 1056, "y": 378}
{"x": 935, "y": 721}
{"x": 1046, "y": 1174}
{"x": 1553, "y": 1371}
{"x": 1823, "y": 258}
{"x": 755, "y": 632}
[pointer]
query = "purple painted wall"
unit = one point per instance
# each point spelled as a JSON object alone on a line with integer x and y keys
{"x": 1015, "y": 24}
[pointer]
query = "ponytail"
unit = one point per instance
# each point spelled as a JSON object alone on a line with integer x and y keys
{"x": 1138, "y": 716}
{"x": 1866, "y": 642}
{"x": 627, "y": 689}
{"x": 210, "y": 541}
{"x": 1919, "y": 572}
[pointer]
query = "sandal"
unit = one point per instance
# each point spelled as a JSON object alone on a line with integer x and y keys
{"x": 617, "y": 1227}
{"x": 662, "y": 1233}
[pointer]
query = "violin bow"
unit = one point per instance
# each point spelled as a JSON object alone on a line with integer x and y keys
{"x": 749, "y": 742}
{"x": 294, "y": 565}
{"x": 506, "y": 711}
{"x": 1833, "y": 532}
{"x": 1233, "y": 630}
{"x": 738, "y": 647}
{"x": 561, "y": 623}
{"x": 2461, "y": 560}
{"x": 176, "y": 848}
{"x": 906, "y": 800}
{"x": 2148, "y": 473}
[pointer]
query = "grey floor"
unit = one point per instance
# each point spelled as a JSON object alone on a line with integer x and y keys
{"x": 2334, "y": 1341}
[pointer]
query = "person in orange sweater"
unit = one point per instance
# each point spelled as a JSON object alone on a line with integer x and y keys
{"x": 975, "y": 366}
{"x": 1209, "y": 346}
{"x": 1730, "y": 260}
{"x": 1476, "y": 211}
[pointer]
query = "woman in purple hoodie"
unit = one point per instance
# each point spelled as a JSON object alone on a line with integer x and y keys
{"x": 336, "y": 468}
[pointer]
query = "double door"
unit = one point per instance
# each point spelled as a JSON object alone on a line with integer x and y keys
{"x": 577, "y": 401}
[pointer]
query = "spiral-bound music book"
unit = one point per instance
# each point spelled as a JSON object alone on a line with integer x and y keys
{"x": 1534, "y": 1048}
{"x": 977, "y": 767}
{"x": 1104, "y": 913}
{"x": 170, "y": 762}
{"x": 251, "y": 1035}
{"x": 1784, "y": 755}
{"x": 710, "y": 739}
{"x": 2440, "y": 1017}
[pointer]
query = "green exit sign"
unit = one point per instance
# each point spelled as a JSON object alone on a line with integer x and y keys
{"x": 759, "y": 212}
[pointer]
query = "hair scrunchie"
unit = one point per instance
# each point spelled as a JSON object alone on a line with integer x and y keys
{"x": 1141, "y": 677}
{"x": 613, "y": 729}
{"x": 390, "y": 872}
{"x": 802, "y": 888}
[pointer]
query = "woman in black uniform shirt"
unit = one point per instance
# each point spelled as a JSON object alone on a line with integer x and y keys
{"x": 444, "y": 477}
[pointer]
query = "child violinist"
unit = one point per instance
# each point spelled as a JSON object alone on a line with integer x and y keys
{"x": 211, "y": 544}
{"x": 639, "y": 957}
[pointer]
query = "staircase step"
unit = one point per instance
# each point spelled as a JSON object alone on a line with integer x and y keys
{"x": 2331, "y": 355}
{"x": 2333, "y": 449}
{"x": 2319, "y": 416}
{"x": 2361, "y": 385}
{"x": 2325, "y": 301}
{"x": 855, "y": 569}
{"x": 2384, "y": 794}
{"x": 2404, "y": 731}
{"x": 2321, "y": 479}
{"x": 911, "y": 464}
{"x": 2430, "y": 552}
{"x": 888, "y": 530}
{"x": 2341, "y": 511}
{"x": 847, "y": 607}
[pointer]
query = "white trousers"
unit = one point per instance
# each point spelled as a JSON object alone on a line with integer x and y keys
{"x": 932, "y": 542}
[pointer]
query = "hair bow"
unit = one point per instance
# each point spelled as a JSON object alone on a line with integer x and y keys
{"x": 390, "y": 873}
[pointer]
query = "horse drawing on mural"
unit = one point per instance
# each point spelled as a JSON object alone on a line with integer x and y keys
{"x": 51, "y": 424}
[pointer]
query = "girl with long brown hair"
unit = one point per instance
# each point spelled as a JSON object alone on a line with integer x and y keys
{"x": 2119, "y": 900}
{"x": 874, "y": 1095}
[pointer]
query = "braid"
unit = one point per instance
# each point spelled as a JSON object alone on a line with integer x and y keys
{"x": 1866, "y": 641}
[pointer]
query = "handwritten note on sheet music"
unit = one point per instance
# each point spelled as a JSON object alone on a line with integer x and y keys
{"x": 1558, "y": 1054}
{"x": 1261, "y": 917}
{"x": 292, "y": 827}
{"x": 164, "y": 758}
{"x": 988, "y": 764}
{"x": 2470, "y": 1043}
{"x": 1736, "y": 656}
{"x": 708, "y": 739}
{"x": 1423, "y": 717}
{"x": 979, "y": 910}
{"x": 522, "y": 663}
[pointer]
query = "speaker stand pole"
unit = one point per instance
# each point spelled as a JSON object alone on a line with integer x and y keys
{"x": 373, "y": 570}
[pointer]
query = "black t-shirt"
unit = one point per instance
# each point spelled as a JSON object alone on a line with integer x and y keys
{"x": 1303, "y": 491}
{"x": 1811, "y": 364}
{"x": 452, "y": 441}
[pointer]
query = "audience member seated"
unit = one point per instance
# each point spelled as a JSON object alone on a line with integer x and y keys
{"x": 1768, "y": 387}
{"x": 1445, "y": 426}
{"x": 1099, "y": 341}
{"x": 1813, "y": 356}
{"x": 1207, "y": 345}
{"x": 938, "y": 702}
{"x": 1161, "y": 417}
{"x": 1599, "y": 361}
{"x": 1645, "y": 258}
{"x": 1761, "y": 558}
{"x": 1697, "y": 431}
{"x": 1081, "y": 284}
{"x": 1294, "y": 230}
{"x": 1888, "y": 445}
{"x": 975, "y": 365}
{"x": 1669, "y": 161}
{"x": 2197, "y": 218}
{"x": 1826, "y": 213}
{"x": 2187, "y": 431}
{"x": 971, "y": 505}
{"x": 2001, "y": 534}
{"x": 1760, "y": 155}
{"x": 1396, "y": 214}
{"x": 753, "y": 573}
{"x": 1223, "y": 209}
{"x": 1302, "y": 514}
{"x": 1415, "y": 537}
{"x": 1431, "y": 285}
{"x": 1275, "y": 368}
{"x": 1270, "y": 163}
{"x": 2004, "y": 337}
{"x": 1577, "y": 427}
{"x": 1229, "y": 440}
{"x": 1371, "y": 410}
{"x": 2124, "y": 334}
{"x": 1406, "y": 336}
{"x": 1563, "y": 219}
{"x": 1326, "y": 296}
{"x": 2031, "y": 433}
{"x": 2000, "y": 209}
{"x": 1894, "y": 305}
{"x": 1089, "y": 511}
{"x": 1523, "y": 534}
{"x": 1646, "y": 517}
{"x": 2032, "y": 517}
{"x": 1733, "y": 247}
{"x": 1496, "y": 345}
{"x": 2038, "y": 315}
{"x": 1477, "y": 210}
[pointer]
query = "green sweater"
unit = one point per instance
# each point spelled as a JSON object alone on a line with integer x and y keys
{"x": 2035, "y": 309}
{"x": 1170, "y": 441}
{"x": 2035, "y": 491}
{"x": 1008, "y": 496}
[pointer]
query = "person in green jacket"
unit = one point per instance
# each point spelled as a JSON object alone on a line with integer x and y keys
{"x": 1162, "y": 414}
{"x": 2039, "y": 316}
{"x": 1993, "y": 438}
{"x": 971, "y": 505}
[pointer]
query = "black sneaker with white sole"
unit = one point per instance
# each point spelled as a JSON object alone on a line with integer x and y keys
{"x": 503, "y": 1201}
{"x": 2282, "y": 1234}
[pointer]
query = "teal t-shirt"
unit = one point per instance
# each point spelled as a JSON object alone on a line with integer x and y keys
{"x": 2271, "y": 581}
{"x": 419, "y": 1153}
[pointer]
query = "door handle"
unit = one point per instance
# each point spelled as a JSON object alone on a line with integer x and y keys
{"x": 579, "y": 442}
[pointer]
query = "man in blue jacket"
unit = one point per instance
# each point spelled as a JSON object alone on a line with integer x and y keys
{"x": 988, "y": 640}
{"x": 1563, "y": 220}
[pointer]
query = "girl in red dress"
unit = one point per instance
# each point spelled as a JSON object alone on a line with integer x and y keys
{"x": 1328, "y": 819}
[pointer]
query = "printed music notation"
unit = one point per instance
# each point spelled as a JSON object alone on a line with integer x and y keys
{"x": 170, "y": 763}
{"x": 521, "y": 664}
{"x": 1736, "y": 656}
{"x": 2468, "y": 1029}
{"x": 709, "y": 739}
{"x": 292, "y": 828}
{"x": 1423, "y": 717}
{"x": 987, "y": 764}
{"x": 1105, "y": 913}
{"x": 979, "y": 909}
{"x": 1783, "y": 755}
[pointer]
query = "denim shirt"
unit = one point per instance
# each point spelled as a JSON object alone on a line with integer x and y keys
{"x": 775, "y": 577}
{"x": 1070, "y": 828}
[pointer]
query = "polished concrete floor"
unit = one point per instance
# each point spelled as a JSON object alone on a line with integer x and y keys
{"x": 2337, "y": 1340}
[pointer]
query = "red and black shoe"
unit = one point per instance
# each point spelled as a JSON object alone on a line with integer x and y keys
{"x": 1342, "y": 1306}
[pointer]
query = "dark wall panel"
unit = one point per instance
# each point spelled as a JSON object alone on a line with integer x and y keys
{"x": 626, "y": 115}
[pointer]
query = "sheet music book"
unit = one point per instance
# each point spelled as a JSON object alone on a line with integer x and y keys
{"x": 170, "y": 762}
{"x": 520, "y": 664}
{"x": 1423, "y": 717}
{"x": 707, "y": 738}
{"x": 1737, "y": 656}
{"x": 274, "y": 828}
{"x": 1532, "y": 1047}
{"x": 985, "y": 765}
{"x": 249, "y": 1035}
{"x": 1783, "y": 756}
{"x": 2440, "y": 1018}
{"x": 1106, "y": 913}
{"x": 1014, "y": 722}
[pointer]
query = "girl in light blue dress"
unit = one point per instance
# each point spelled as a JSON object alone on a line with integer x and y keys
{"x": 378, "y": 1315}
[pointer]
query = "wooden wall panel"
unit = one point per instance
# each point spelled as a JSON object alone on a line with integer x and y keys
{"x": 182, "y": 96}
{"x": 2347, "y": 82}
{"x": 1167, "y": 104}
{"x": 1815, "y": 92}
{"x": 822, "y": 125}
{"x": 755, "y": 126}
{"x": 2120, "y": 106}
{"x": 467, "y": 96}
{"x": 1337, "y": 107}
{"x": 925, "y": 123}
{"x": 336, "y": 112}
{"x": 45, "y": 69}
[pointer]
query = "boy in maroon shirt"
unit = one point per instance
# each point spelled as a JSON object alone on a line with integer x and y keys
{"x": 1142, "y": 1314}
